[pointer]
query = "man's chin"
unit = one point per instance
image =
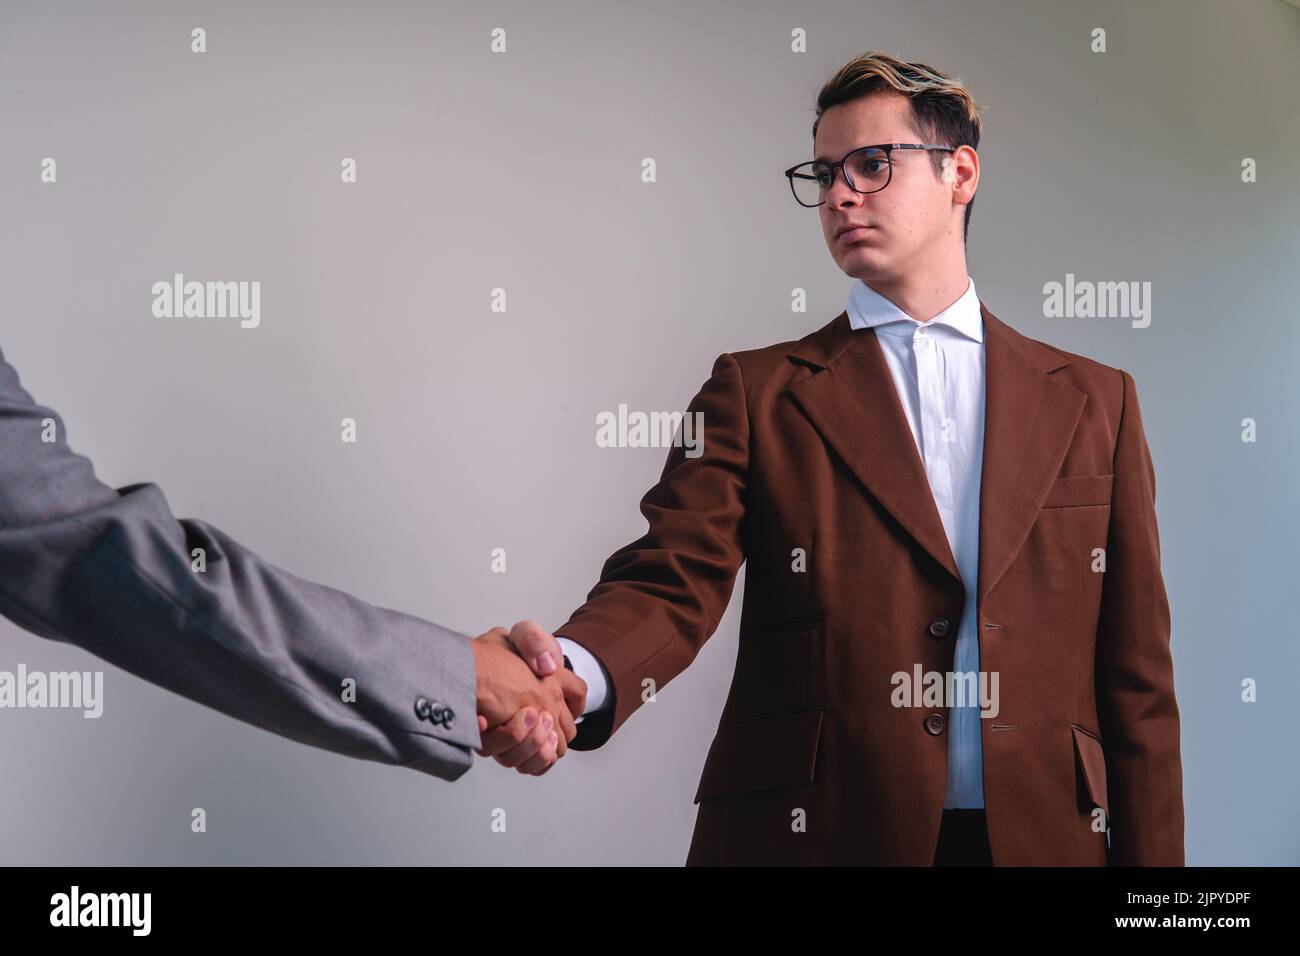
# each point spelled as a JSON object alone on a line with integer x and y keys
{"x": 865, "y": 264}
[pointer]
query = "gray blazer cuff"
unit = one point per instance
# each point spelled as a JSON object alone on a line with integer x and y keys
{"x": 426, "y": 674}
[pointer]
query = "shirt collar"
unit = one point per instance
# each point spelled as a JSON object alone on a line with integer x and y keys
{"x": 867, "y": 308}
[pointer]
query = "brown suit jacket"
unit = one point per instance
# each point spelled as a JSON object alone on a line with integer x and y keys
{"x": 806, "y": 446}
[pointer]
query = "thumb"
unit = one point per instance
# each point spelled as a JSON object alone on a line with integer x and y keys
{"x": 537, "y": 647}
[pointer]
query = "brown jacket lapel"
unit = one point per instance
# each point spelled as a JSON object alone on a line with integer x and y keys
{"x": 1029, "y": 421}
{"x": 853, "y": 403}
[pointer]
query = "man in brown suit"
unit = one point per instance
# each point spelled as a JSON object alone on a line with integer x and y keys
{"x": 913, "y": 497}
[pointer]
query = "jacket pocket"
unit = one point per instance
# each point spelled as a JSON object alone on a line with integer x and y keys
{"x": 1075, "y": 490}
{"x": 1092, "y": 763}
{"x": 779, "y": 668}
{"x": 762, "y": 754}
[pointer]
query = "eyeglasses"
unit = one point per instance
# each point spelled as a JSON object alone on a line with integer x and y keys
{"x": 867, "y": 169}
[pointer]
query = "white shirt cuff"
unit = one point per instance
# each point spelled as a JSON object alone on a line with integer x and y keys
{"x": 587, "y": 666}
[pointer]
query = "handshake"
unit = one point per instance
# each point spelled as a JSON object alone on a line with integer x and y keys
{"x": 528, "y": 701}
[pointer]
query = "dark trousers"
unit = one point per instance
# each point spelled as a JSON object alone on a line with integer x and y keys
{"x": 963, "y": 839}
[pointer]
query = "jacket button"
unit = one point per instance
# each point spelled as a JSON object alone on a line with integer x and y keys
{"x": 441, "y": 714}
{"x": 422, "y": 709}
{"x": 939, "y": 627}
{"x": 934, "y": 724}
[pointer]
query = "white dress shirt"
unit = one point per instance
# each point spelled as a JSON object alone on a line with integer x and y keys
{"x": 938, "y": 369}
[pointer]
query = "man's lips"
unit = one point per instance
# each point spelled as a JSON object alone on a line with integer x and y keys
{"x": 854, "y": 233}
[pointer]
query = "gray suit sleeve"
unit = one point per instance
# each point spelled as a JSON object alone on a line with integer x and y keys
{"x": 110, "y": 571}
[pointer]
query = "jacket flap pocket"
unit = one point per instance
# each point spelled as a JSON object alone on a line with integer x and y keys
{"x": 1074, "y": 490}
{"x": 1093, "y": 763}
{"x": 761, "y": 754}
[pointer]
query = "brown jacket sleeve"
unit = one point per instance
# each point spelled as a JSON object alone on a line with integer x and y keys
{"x": 1134, "y": 667}
{"x": 660, "y": 597}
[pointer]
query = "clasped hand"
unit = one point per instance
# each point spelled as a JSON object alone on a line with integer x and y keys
{"x": 527, "y": 699}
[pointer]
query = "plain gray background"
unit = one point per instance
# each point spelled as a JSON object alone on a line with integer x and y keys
{"x": 522, "y": 171}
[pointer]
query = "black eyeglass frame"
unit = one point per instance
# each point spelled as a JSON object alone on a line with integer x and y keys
{"x": 887, "y": 147}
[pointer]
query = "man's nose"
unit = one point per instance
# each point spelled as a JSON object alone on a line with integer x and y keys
{"x": 841, "y": 193}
